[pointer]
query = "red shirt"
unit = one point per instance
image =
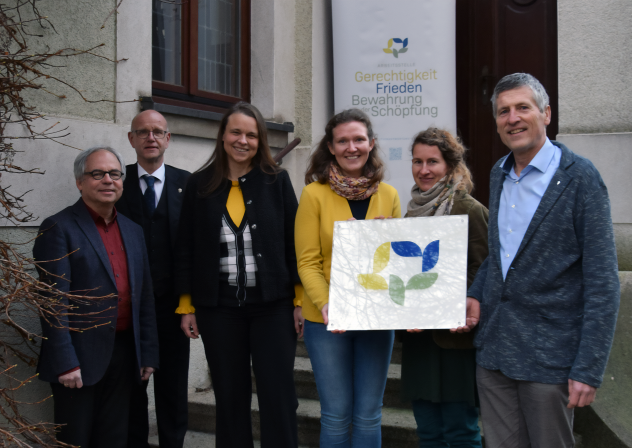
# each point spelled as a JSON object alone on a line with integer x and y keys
{"x": 113, "y": 242}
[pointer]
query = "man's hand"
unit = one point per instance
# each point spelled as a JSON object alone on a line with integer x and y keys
{"x": 189, "y": 326}
{"x": 299, "y": 321}
{"x": 473, "y": 315}
{"x": 145, "y": 373}
{"x": 72, "y": 379}
{"x": 580, "y": 394}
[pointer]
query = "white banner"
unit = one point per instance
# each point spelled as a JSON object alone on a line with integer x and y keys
{"x": 396, "y": 61}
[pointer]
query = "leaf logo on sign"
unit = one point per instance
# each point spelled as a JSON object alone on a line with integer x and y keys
{"x": 396, "y": 288}
{"x": 394, "y": 51}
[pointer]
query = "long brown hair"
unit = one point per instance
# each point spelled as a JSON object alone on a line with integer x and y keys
{"x": 215, "y": 171}
{"x": 451, "y": 149}
{"x": 318, "y": 168}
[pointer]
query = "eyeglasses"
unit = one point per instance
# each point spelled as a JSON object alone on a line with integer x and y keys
{"x": 100, "y": 174}
{"x": 144, "y": 133}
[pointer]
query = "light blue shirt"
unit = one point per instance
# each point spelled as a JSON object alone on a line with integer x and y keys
{"x": 520, "y": 198}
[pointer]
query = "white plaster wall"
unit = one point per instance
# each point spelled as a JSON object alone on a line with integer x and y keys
{"x": 272, "y": 58}
{"x": 56, "y": 189}
{"x": 595, "y": 67}
{"x": 78, "y": 25}
{"x": 133, "y": 43}
{"x": 322, "y": 69}
{"x": 612, "y": 156}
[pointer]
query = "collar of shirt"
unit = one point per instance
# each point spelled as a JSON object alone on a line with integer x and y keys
{"x": 158, "y": 174}
{"x": 98, "y": 220}
{"x": 541, "y": 161}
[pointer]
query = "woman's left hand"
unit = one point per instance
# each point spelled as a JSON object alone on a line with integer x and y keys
{"x": 299, "y": 321}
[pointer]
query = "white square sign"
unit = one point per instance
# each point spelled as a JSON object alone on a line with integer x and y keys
{"x": 399, "y": 273}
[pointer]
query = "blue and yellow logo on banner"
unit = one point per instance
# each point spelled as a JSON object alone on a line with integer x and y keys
{"x": 394, "y": 51}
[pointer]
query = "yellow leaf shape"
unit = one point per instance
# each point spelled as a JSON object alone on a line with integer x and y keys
{"x": 390, "y": 43}
{"x": 381, "y": 257}
{"x": 372, "y": 281}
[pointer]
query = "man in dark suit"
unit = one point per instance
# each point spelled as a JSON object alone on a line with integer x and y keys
{"x": 87, "y": 249}
{"x": 153, "y": 198}
{"x": 549, "y": 289}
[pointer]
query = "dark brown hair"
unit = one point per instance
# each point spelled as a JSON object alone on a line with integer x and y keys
{"x": 318, "y": 168}
{"x": 451, "y": 149}
{"x": 215, "y": 171}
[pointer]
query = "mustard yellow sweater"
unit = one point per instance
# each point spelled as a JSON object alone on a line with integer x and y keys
{"x": 318, "y": 209}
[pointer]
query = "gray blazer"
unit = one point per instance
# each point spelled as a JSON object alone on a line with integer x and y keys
{"x": 553, "y": 317}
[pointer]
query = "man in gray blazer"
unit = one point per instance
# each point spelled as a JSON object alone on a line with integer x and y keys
{"x": 546, "y": 298}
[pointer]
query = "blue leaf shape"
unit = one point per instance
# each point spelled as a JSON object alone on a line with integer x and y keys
{"x": 406, "y": 249}
{"x": 397, "y": 40}
{"x": 405, "y": 42}
{"x": 431, "y": 256}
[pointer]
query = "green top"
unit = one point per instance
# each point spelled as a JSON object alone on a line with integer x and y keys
{"x": 437, "y": 365}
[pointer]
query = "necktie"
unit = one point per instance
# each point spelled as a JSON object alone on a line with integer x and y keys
{"x": 150, "y": 194}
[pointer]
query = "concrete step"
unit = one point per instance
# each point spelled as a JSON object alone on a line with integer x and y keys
{"x": 396, "y": 358}
{"x": 306, "y": 384}
{"x": 398, "y": 425}
{"x": 195, "y": 439}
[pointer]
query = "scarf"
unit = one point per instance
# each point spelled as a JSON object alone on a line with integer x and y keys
{"x": 437, "y": 201}
{"x": 349, "y": 187}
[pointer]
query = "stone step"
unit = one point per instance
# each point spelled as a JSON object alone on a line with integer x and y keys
{"x": 398, "y": 425}
{"x": 196, "y": 439}
{"x": 396, "y": 358}
{"x": 306, "y": 384}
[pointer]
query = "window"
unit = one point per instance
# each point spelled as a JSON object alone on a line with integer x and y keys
{"x": 201, "y": 52}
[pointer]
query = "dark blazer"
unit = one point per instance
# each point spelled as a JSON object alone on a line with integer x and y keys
{"x": 87, "y": 271}
{"x": 131, "y": 202}
{"x": 271, "y": 209}
{"x": 553, "y": 317}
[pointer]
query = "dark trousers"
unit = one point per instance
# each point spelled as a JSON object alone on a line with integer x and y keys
{"x": 96, "y": 416}
{"x": 231, "y": 337}
{"x": 170, "y": 390}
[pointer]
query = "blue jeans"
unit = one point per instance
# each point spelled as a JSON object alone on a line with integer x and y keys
{"x": 350, "y": 371}
{"x": 442, "y": 425}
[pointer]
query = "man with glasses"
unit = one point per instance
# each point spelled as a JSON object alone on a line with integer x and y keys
{"x": 100, "y": 347}
{"x": 153, "y": 199}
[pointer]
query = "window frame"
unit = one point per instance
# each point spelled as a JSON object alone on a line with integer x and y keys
{"x": 189, "y": 94}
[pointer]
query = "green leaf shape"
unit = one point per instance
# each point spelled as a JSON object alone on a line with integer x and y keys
{"x": 403, "y": 50}
{"x": 395, "y": 52}
{"x": 372, "y": 281}
{"x": 381, "y": 257}
{"x": 396, "y": 290}
{"x": 422, "y": 281}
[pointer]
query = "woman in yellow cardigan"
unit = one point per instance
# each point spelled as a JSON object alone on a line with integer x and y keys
{"x": 343, "y": 182}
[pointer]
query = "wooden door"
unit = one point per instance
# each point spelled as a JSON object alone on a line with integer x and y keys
{"x": 495, "y": 38}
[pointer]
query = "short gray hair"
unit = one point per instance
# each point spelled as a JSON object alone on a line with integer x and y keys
{"x": 80, "y": 161}
{"x": 517, "y": 80}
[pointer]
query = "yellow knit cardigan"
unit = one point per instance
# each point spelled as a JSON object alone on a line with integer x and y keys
{"x": 318, "y": 209}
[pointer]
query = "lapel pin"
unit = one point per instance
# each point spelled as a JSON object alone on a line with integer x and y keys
{"x": 558, "y": 182}
{"x": 180, "y": 189}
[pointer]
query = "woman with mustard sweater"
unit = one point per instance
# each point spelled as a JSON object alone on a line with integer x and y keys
{"x": 343, "y": 182}
{"x": 236, "y": 277}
